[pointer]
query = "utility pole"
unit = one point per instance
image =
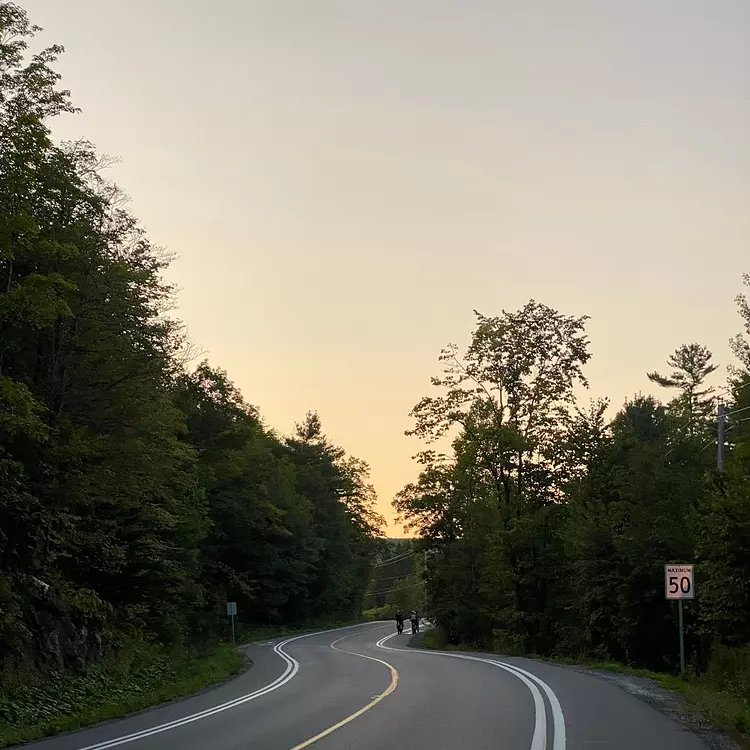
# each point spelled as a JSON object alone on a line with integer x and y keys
{"x": 720, "y": 442}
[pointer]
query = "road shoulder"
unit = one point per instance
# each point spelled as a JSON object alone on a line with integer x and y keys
{"x": 668, "y": 702}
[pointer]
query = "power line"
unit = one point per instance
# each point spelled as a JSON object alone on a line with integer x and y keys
{"x": 730, "y": 391}
{"x": 713, "y": 440}
{"x": 399, "y": 588}
{"x": 397, "y": 558}
{"x": 393, "y": 578}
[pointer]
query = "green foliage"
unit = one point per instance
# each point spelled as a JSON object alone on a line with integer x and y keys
{"x": 490, "y": 515}
{"x": 139, "y": 676}
{"x": 723, "y": 549}
{"x": 548, "y": 526}
{"x": 691, "y": 365}
{"x": 136, "y": 497}
{"x": 386, "y": 612}
{"x": 723, "y": 693}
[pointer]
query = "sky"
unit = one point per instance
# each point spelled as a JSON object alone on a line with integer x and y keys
{"x": 345, "y": 181}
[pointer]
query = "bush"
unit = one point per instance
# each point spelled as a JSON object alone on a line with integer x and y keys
{"x": 723, "y": 692}
{"x": 35, "y": 705}
{"x": 505, "y": 642}
{"x": 729, "y": 670}
{"x": 385, "y": 612}
{"x": 435, "y": 638}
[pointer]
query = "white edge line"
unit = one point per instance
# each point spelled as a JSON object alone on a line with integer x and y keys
{"x": 539, "y": 737}
{"x": 292, "y": 667}
{"x": 557, "y": 714}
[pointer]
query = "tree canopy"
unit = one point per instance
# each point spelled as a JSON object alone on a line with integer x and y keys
{"x": 137, "y": 495}
{"x": 549, "y": 524}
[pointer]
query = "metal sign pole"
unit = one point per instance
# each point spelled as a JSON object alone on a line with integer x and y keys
{"x": 232, "y": 611}
{"x": 682, "y": 640}
{"x": 679, "y": 584}
{"x": 232, "y": 619}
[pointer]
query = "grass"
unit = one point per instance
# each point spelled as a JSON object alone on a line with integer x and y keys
{"x": 720, "y": 697}
{"x": 434, "y": 640}
{"x": 142, "y": 678}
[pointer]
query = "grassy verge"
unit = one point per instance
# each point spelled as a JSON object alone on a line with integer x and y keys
{"x": 719, "y": 697}
{"x": 142, "y": 677}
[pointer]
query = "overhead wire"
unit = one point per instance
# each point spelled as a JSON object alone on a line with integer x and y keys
{"x": 730, "y": 391}
{"x": 729, "y": 427}
{"x": 393, "y": 578}
{"x": 397, "y": 558}
{"x": 392, "y": 560}
{"x": 399, "y": 588}
{"x": 713, "y": 440}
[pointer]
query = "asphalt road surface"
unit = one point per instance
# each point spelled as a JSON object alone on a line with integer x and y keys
{"x": 362, "y": 687}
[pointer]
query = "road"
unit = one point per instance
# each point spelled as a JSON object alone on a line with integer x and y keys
{"x": 362, "y": 687}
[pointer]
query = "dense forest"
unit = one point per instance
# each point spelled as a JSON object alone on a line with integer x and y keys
{"x": 546, "y": 526}
{"x": 138, "y": 493}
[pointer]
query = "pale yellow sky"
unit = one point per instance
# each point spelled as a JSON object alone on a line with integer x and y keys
{"x": 344, "y": 181}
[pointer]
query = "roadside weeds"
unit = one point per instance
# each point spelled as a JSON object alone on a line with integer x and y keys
{"x": 71, "y": 702}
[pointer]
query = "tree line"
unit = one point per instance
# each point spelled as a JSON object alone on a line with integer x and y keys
{"x": 137, "y": 494}
{"x": 548, "y": 524}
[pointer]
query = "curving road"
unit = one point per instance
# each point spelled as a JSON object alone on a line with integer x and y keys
{"x": 362, "y": 687}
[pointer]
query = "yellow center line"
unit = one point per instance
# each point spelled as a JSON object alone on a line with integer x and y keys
{"x": 374, "y": 702}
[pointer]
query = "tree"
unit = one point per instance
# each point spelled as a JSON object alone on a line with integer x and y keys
{"x": 257, "y": 551}
{"x": 491, "y": 512}
{"x": 510, "y": 393}
{"x": 723, "y": 547}
{"x": 343, "y": 519}
{"x": 639, "y": 510}
{"x": 740, "y": 345}
{"x": 691, "y": 365}
{"x": 134, "y": 496}
{"x": 723, "y": 552}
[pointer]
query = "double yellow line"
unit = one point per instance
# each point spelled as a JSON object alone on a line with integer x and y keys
{"x": 374, "y": 702}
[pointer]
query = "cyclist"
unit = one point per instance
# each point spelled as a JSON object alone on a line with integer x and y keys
{"x": 414, "y": 617}
{"x": 399, "y": 621}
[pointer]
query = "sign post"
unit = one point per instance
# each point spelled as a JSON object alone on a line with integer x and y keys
{"x": 678, "y": 584}
{"x": 232, "y": 611}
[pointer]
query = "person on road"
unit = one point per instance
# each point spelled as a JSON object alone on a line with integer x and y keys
{"x": 414, "y": 617}
{"x": 399, "y": 621}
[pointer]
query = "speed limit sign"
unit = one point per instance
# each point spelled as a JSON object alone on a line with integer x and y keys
{"x": 678, "y": 582}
